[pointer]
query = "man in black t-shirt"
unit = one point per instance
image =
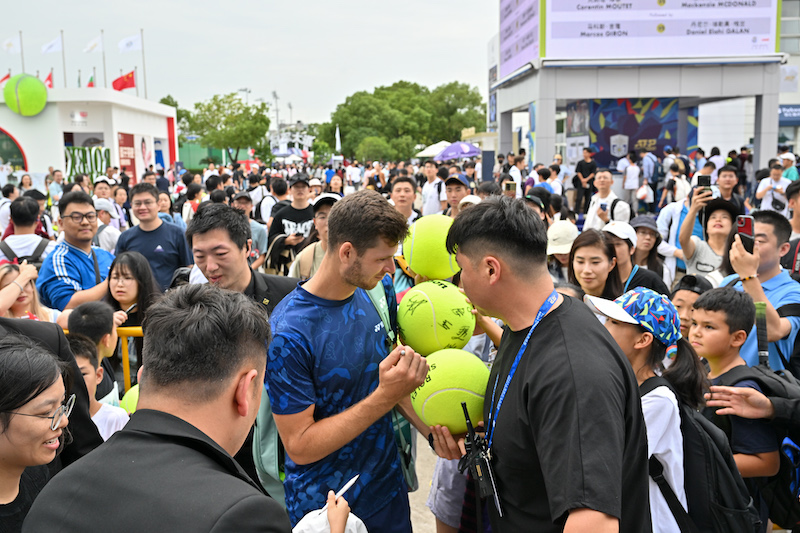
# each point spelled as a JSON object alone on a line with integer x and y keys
{"x": 584, "y": 181}
{"x": 296, "y": 219}
{"x": 567, "y": 442}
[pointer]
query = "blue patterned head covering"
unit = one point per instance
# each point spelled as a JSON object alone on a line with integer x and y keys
{"x": 655, "y": 313}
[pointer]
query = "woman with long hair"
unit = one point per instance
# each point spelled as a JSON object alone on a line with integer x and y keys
{"x": 646, "y": 326}
{"x": 646, "y": 253}
{"x": 34, "y": 412}
{"x": 335, "y": 186}
{"x": 593, "y": 265}
{"x": 18, "y": 295}
{"x": 166, "y": 211}
{"x": 25, "y": 183}
{"x": 133, "y": 289}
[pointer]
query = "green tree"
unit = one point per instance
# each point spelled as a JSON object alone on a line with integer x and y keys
{"x": 183, "y": 118}
{"x": 403, "y": 115}
{"x": 227, "y": 122}
{"x": 374, "y": 148}
{"x": 456, "y": 106}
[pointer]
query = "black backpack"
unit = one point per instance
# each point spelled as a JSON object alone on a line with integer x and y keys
{"x": 34, "y": 259}
{"x": 782, "y": 490}
{"x": 716, "y": 495}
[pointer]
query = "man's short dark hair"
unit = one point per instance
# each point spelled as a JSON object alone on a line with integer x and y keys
{"x": 253, "y": 179}
{"x": 220, "y": 216}
{"x": 82, "y": 346}
{"x": 24, "y": 211}
{"x": 405, "y": 179}
{"x": 8, "y": 189}
{"x": 217, "y": 196}
{"x": 780, "y": 224}
{"x": 727, "y": 168}
{"x": 544, "y": 172}
{"x": 198, "y": 336}
{"x": 362, "y": 218}
{"x": 92, "y": 319}
{"x": 738, "y": 306}
{"x": 469, "y": 164}
{"x": 279, "y": 186}
{"x": 674, "y": 167}
{"x": 212, "y": 182}
{"x": 433, "y": 163}
{"x": 792, "y": 190}
{"x": 36, "y": 194}
{"x": 556, "y": 169}
{"x": 187, "y": 178}
{"x": 776, "y": 166}
{"x": 403, "y": 172}
{"x": 501, "y": 226}
{"x": 711, "y": 165}
{"x": 442, "y": 172}
{"x": 144, "y": 188}
{"x": 74, "y": 197}
{"x": 490, "y": 188}
{"x": 519, "y": 159}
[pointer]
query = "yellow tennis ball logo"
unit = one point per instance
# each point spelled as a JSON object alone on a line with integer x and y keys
{"x": 660, "y": 28}
{"x": 661, "y": 3}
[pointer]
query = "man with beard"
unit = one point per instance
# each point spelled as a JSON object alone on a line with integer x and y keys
{"x": 333, "y": 378}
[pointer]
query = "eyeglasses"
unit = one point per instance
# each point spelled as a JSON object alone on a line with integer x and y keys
{"x": 78, "y": 217}
{"x": 64, "y": 410}
{"x": 147, "y": 203}
{"x": 121, "y": 279}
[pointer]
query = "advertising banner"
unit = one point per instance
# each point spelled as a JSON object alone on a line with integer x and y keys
{"x": 144, "y": 154}
{"x": 519, "y": 34}
{"x": 127, "y": 156}
{"x": 631, "y": 29}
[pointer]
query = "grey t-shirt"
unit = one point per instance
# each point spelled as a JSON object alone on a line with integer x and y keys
{"x": 704, "y": 260}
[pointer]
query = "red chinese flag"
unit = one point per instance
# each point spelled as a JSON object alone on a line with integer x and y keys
{"x": 48, "y": 81}
{"x": 4, "y": 79}
{"x": 124, "y": 82}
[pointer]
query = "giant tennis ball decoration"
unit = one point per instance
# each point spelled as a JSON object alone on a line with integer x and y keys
{"x": 424, "y": 248}
{"x": 25, "y": 95}
{"x": 434, "y": 315}
{"x": 130, "y": 400}
{"x": 454, "y": 376}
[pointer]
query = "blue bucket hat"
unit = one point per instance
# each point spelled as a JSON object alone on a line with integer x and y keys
{"x": 646, "y": 308}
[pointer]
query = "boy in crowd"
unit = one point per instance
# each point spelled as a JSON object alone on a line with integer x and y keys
{"x": 108, "y": 418}
{"x": 99, "y": 322}
{"x": 404, "y": 192}
{"x": 721, "y": 321}
{"x": 456, "y": 187}
{"x": 686, "y": 293}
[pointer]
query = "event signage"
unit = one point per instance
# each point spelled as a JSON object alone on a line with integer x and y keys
{"x": 519, "y": 34}
{"x": 127, "y": 154}
{"x": 82, "y": 160}
{"x": 638, "y": 29}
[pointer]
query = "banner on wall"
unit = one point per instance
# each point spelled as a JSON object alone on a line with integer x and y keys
{"x": 519, "y": 34}
{"x": 127, "y": 156}
{"x": 601, "y": 29}
{"x": 144, "y": 153}
{"x": 618, "y": 126}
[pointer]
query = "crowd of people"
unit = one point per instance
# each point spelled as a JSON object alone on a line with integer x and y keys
{"x": 270, "y": 372}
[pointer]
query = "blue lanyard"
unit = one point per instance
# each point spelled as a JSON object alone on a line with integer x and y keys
{"x": 546, "y": 306}
{"x": 633, "y": 273}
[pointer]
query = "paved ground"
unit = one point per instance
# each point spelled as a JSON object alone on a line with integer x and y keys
{"x": 421, "y": 517}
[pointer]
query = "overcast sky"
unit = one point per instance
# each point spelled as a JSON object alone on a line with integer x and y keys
{"x": 312, "y": 53}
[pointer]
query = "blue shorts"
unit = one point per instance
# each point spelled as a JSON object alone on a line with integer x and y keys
{"x": 393, "y": 518}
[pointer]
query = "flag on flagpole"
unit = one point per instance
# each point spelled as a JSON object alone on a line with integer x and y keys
{"x": 12, "y": 45}
{"x": 79, "y": 79}
{"x": 48, "y": 81}
{"x": 338, "y": 141}
{"x": 125, "y": 81}
{"x": 52, "y": 46}
{"x": 95, "y": 45}
{"x": 91, "y": 81}
{"x": 4, "y": 79}
{"x": 131, "y": 44}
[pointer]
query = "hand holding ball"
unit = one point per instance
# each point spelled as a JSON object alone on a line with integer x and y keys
{"x": 454, "y": 376}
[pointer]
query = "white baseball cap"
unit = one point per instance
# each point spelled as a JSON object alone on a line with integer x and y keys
{"x": 623, "y": 230}
{"x": 560, "y": 237}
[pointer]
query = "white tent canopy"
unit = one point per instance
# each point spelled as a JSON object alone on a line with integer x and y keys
{"x": 434, "y": 149}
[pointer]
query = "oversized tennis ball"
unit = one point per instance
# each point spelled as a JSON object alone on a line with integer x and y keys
{"x": 25, "y": 95}
{"x": 434, "y": 315}
{"x": 130, "y": 399}
{"x": 454, "y": 376}
{"x": 424, "y": 248}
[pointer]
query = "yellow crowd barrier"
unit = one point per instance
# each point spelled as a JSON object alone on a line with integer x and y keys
{"x": 123, "y": 333}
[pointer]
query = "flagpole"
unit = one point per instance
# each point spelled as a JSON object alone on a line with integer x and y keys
{"x": 79, "y": 78}
{"x": 94, "y": 75}
{"x": 144, "y": 69}
{"x": 63, "y": 59}
{"x": 21, "y": 53}
{"x": 103, "y": 45}
{"x": 135, "y": 79}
